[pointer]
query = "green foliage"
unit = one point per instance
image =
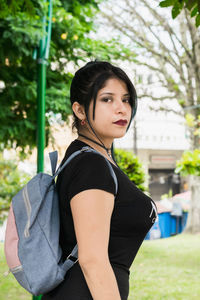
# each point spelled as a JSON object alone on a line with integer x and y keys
{"x": 130, "y": 165}
{"x": 177, "y": 5}
{"x": 20, "y": 33}
{"x": 190, "y": 120}
{"x": 194, "y": 123}
{"x": 30, "y": 7}
{"x": 167, "y": 196}
{"x": 189, "y": 164}
{"x": 12, "y": 180}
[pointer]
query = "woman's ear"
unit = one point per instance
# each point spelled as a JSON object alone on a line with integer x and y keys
{"x": 79, "y": 110}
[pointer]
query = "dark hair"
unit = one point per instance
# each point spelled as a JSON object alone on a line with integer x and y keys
{"x": 89, "y": 79}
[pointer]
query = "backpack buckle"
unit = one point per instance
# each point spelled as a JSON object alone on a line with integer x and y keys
{"x": 86, "y": 148}
{"x": 72, "y": 258}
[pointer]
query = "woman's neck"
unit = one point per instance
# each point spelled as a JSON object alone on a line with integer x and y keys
{"x": 107, "y": 143}
{"x": 97, "y": 145}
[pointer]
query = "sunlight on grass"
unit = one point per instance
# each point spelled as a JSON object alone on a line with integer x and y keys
{"x": 167, "y": 269}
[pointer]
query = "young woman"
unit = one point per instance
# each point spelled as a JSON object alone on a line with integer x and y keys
{"x": 108, "y": 228}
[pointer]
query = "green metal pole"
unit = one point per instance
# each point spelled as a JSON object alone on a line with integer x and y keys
{"x": 42, "y": 57}
{"x": 37, "y": 297}
{"x": 41, "y": 112}
{"x": 41, "y": 89}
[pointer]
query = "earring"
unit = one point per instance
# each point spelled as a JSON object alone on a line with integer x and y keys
{"x": 82, "y": 122}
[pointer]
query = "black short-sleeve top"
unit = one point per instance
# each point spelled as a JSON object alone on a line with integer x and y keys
{"x": 133, "y": 214}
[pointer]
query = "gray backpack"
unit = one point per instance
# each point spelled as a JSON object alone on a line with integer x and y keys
{"x": 32, "y": 247}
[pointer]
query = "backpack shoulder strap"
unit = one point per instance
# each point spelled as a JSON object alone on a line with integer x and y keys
{"x": 61, "y": 167}
{"x": 53, "y": 159}
{"x": 88, "y": 149}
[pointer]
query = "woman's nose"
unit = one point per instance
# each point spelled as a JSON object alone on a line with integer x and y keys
{"x": 120, "y": 106}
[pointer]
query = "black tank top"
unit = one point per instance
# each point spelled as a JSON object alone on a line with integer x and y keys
{"x": 133, "y": 215}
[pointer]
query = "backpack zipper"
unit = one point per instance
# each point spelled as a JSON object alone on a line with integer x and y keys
{"x": 28, "y": 211}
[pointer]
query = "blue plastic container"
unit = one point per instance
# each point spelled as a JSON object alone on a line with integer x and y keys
{"x": 184, "y": 220}
{"x": 165, "y": 224}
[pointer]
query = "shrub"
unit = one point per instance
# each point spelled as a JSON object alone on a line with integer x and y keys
{"x": 130, "y": 165}
{"x": 189, "y": 164}
{"x": 12, "y": 180}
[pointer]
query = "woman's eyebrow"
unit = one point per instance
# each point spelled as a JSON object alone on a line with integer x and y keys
{"x": 108, "y": 93}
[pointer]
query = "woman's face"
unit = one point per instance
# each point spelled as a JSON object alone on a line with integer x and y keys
{"x": 112, "y": 111}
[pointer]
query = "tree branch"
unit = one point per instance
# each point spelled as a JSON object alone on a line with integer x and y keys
{"x": 178, "y": 67}
{"x": 140, "y": 39}
{"x": 162, "y": 108}
{"x": 147, "y": 65}
{"x": 148, "y": 26}
{"x": 157, "y": 98}
{"x": 195, "y": 50}
{"x": 166, "y": 26}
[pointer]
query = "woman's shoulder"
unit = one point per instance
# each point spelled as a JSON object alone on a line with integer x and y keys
{"x": 86, "y": 160}
{"x": 88, "y": 170}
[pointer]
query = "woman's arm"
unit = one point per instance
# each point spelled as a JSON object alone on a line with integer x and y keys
{"x": 92, "y": 210}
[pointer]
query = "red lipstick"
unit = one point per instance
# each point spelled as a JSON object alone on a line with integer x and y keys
{"x": 121, "y": 122}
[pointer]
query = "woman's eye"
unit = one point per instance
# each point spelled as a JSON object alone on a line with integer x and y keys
{"x": 107, "y": 99}
{"x": 127, "y": 100}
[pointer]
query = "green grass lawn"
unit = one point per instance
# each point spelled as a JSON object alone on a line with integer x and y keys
{"x": 167, "y": 269}
{"x": 163, "y": 269}
{"x": 9, "y": 287}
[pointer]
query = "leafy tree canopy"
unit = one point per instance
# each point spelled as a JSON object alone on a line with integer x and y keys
{"x": 177, "y": 5}
{"x": 20, "y": 32}
{"x": 30, "y": 7}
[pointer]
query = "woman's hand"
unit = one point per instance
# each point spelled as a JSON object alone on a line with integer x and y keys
{"x": 92, "y": 210}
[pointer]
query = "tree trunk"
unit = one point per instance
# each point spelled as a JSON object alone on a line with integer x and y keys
{"x": 193, "y": 222}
